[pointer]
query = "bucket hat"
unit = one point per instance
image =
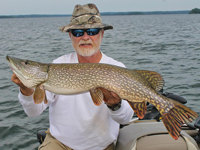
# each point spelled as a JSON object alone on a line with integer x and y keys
{"x": 85, "y": 17}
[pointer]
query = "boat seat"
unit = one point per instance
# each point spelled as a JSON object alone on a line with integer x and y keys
{"x": 152, "y": 136}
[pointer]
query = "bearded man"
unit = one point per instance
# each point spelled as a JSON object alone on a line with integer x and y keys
{"x": 75, "y": 122}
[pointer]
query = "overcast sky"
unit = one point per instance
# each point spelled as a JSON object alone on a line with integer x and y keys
{"x": 21, "y": 7}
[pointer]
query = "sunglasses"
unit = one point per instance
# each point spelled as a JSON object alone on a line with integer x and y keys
{"x": 80, "y": 32}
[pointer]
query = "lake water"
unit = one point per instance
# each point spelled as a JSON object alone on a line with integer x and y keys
{"x": 168, "y": 44}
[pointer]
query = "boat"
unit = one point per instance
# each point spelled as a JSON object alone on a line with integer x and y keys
{"x": 150, "y": 133}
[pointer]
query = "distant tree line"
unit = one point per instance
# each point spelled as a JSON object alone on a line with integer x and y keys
{"x": 195, "y": 11}
{"x": 145, "y": 13}
{"x": 33, "y": 16}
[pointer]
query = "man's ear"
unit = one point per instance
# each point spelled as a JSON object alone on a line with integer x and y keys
{"x": 102, "y": 31}
{"x": 70, "y": 34}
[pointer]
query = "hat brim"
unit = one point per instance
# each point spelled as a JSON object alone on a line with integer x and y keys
{"x": 67, "y": 28}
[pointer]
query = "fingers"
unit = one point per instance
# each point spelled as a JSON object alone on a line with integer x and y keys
{"x": 25, "y": 91}
{"x": 110, "y": 97}
{"x": 15, "y": 79}
{"x": 106, "y": 93}
{"x": 115, "y": 95}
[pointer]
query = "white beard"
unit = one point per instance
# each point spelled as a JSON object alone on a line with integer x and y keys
{"x": 87, "y": 51}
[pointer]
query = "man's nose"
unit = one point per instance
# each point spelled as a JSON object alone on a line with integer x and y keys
{"x": 85, "y": 36}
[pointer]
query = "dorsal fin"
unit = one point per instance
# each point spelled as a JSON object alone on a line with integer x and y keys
{"x": 155, "y": 79}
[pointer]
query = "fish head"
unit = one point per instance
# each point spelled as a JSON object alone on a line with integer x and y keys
{"x": 29, "y": 72}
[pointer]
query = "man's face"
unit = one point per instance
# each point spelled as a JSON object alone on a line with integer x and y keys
{"x": 87, "y": 45}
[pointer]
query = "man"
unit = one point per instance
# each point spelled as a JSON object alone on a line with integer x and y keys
{"x": 75, "y": 122}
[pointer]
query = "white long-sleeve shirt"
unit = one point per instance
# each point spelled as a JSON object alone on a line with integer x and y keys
{"x": 75, "y": 120}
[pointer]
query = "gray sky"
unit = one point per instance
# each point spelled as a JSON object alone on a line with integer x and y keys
{"x": 21, "y": 7}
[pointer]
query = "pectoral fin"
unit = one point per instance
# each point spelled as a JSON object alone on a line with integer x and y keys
{"x": 97, "y": 96}
{"x": 139, "y": 108}
{"x": 39, "y": 94}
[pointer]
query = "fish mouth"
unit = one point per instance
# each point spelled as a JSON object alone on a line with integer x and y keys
{"x": 14, "y": 63}
{"x": 16, "y": 66}
{"x": 13, "y": 59}
{"x": 9, "y": 62}
{"x": 8, "y": 58}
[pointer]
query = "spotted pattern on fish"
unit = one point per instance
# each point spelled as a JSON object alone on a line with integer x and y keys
{"x": 135, "y": 86}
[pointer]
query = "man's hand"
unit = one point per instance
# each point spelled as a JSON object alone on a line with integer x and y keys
{"x": 110, "y": 98}
{"x": 25, "y": 91}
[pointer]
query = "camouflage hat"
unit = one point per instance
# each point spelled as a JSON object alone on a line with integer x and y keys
{"x": 85, "y": 17}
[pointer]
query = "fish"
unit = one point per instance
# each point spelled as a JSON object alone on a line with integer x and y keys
{"x": 136, "y": 86}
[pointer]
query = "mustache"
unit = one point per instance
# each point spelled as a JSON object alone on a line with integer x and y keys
{"x": 85, "y": 43}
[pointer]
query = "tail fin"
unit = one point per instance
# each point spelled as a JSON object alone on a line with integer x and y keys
{"x": 176, "y": 116}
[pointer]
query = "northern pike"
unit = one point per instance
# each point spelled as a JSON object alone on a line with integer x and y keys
{"x": 135, "y": 86}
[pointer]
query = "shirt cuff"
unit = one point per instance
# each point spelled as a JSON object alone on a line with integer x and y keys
{"x": 120, "y": 110}
{"x": 24, "y": 97}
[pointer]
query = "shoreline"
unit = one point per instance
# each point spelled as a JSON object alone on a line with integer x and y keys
{"x": 102, "y": 14}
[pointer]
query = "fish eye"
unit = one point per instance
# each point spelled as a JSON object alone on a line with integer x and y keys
{"x": 25, "y": 62}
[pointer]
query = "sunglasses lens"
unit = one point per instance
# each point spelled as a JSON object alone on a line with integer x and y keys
{"x": 93, "y": 31}
{"x": 78, "y": 32}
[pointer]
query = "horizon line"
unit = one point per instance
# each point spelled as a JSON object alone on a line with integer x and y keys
{"x": 106, "y": 12}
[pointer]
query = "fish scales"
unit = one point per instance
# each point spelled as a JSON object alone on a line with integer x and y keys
{"x": 87, "y": 76}
{"x": 135, "y": 86}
